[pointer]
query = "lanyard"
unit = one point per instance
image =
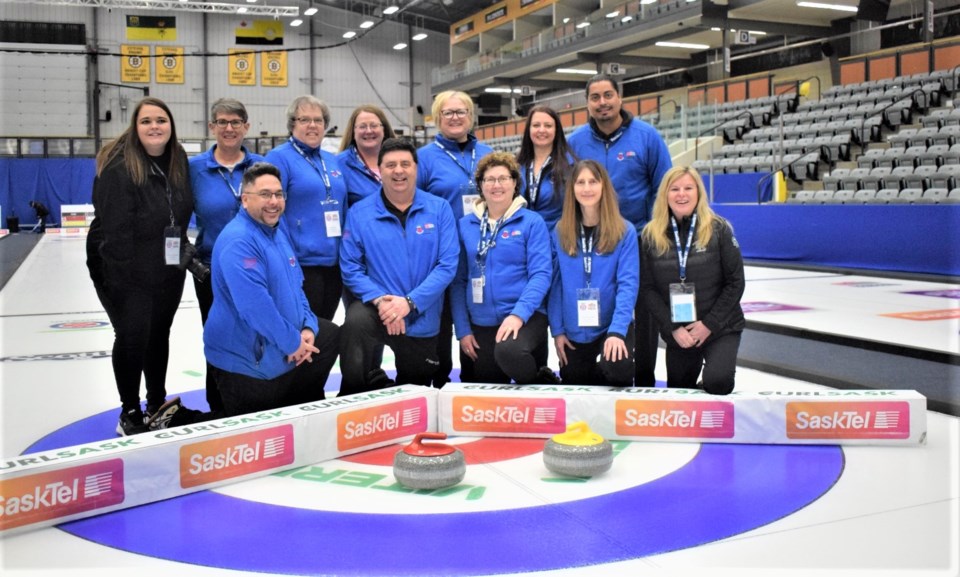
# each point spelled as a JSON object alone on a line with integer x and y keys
{"x": 227, "y": 179}
{"x": 166, "y": 184}
{"x": 322, "y": 173}
{"x": 534, "y": 180}
{"x": 586, "y": 248}
{"x": 473, "y": 159}
{"x": 683, "y": 254}
{"x": 370, "y": 173}
{"x": 488, "y": 239}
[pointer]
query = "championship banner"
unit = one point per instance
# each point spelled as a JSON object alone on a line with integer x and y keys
{"x": 52, "y": 487}
{"x": 260, "y": 33}
{"x": 828, "y": 417}
{"x": 242, "y": 67}
{"x": 135, "y": 64}
{"x": 169, "y": 64}
{"x": 151, "y": 28}
{"x": 273, "y": 69}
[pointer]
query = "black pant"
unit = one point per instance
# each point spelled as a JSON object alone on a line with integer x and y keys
{"x": 141, "y": 319}
{"x": 323, "y": 286}
{"x": 303, "y": 384}
{"x": 445, "y": 345}
{"x": 512, "y": 359}
{"x": 717, "y": 357}
{"x": 584, "y": 368}
{"x": 646, "y": 339}
{"x": 362, "y": 340}
{"x": 204, "y": 292}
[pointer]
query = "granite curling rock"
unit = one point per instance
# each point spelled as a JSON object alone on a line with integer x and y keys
{"x": 578, "y": 453}
{"x": 429, "y": 466}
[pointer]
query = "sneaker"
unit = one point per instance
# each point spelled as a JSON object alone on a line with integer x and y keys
{"x": 546, "y": 376}
{"x": 132, "y": 422}
{"x": 160, "y": 418}
{"x": 185, "y": 416}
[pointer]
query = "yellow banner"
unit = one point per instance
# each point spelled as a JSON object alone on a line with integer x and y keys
{"x": 151, "y": 28}
{"x": 273, "y": 68}
{"x": 135, "y": 63}
{"x": 260, "y": 33}
{"x": 242, "y": 68}
{"x": 169, "y": 65}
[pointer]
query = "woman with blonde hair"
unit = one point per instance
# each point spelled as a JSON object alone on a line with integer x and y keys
{"x": 692, "y": 281}
{"x": 596, "y": 280}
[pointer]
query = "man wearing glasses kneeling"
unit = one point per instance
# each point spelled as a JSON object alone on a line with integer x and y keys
{"x": 265, "y": 346}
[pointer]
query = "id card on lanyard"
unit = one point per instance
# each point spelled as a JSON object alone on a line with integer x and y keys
{"x": 467, "y": 190}
{"x": 488, "y": 240}
{"x": 330, "y": 205}
{"x": 171, "y": 234}
{"x": 683, "y": 297}
{"x": 588, "y": 298}
{"x": 534, "y": 180}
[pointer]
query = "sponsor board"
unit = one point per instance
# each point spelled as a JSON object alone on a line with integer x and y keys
{"x": 836, "y": 420}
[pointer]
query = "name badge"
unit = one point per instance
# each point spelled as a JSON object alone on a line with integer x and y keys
{"x": 468, "y": 202}
{"x": 683, "y": 302}
{"x": 171, "y": 245}
{"x": 476, "y": 284}
{"x": 331, "y": 217}
{"x": 588, "y": 307}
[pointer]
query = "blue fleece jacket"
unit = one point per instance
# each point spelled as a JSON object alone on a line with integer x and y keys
{"x": 258, "y": 307}
{"x": 615, "y": 274}
{"x": 361, "y": 183}
{"x": 216, "y": 196}
{"x": 307, "y": 196}
{"x": 518, "y": 270}
{"x": 549, "y": 202}
{"x": 379, "y": 257}
{"x": 450, "y": 178}
{"x": 636, "y": 158}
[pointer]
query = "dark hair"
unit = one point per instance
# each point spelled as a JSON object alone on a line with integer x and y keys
{"x": 395, "y": 145}
{"x": 559, "y": 155}
{"x": 602, "y": 78}
{"x": 256, "y": 170}
{"x": 348, "y": 141}
{"x": 135, "y": 157}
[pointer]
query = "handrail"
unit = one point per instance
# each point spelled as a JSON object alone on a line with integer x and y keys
{"x": 696, "y": 144}
{"x": 913, "y": 102}
{"x": 770, "y": 175}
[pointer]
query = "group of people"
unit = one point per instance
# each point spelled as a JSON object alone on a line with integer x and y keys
{"x": 597, "y": 238}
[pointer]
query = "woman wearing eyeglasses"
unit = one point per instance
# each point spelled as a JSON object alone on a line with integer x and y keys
{"x": 505, "y": 269}
{"x": 359, "y": 150}
{"x": 143, "y": 204}
{"x": 216, "y": 176}
{"x": 545, "y": 163}
{"x": 316, "y": 201}
{"x": 446, "y": 169}
{"x": 595, "y": 283}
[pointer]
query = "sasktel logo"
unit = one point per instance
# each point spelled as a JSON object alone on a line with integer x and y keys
{"x": 36, "y": 498}
{"x": 848, "y": 420}
{"x": 235, "y": 456}
{"x": 705, "y": 419}
{"x": 509, "y": 415}
{"x": 381, "y": 423}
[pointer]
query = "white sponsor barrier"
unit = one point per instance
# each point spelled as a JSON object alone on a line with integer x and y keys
{"x": 61, "y": 485}
{"x": 75, "y": 218}
{"x": 836, "y": 417}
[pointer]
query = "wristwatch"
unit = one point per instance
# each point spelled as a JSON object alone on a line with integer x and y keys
{"x": 413, "y": 307}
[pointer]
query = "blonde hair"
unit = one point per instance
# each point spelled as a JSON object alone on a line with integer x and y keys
{"x": 655, "y": 232}
{"x": 611, "y": 228}
{"x": 446, "y": 95}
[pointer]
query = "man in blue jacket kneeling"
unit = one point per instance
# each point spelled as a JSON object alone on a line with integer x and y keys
{"x": 266, "y": 347}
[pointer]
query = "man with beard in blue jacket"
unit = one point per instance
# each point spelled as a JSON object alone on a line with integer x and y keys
{"x": 636, "y": 158}
{"x": 265, "y": 345}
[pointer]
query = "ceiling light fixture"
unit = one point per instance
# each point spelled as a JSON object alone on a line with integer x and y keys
{"x": 399, "y": 45}
{"x": 825, "y": 6}
{"x": 583, "y": 25}
{"x": 419, "y": 36}
{"x": 576, "y": 71}
{"x": 349, "y": 34}
{"x": 688, "y": 45}
{"x": 626, "y": 19}
{"x": 613, "y": 14}
{"x": 391, "y": 9}
{"x": 310, "y": 11}
{"x": 367, "y": 24}
{"x": 296, "y": 22}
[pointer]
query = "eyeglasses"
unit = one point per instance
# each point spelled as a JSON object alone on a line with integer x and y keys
{"x": 235, "y": 123}
{"x": 490, "y": 181}
{"x": 453, "y": 113}
{"x": 267, "y": 195}
{"x": 370, "y": 127}
{"x": 306, "y": 121}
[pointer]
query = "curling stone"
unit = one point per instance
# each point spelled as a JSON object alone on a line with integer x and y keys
{"x": 578, "y": 453}
{"x": 429, "y": 466}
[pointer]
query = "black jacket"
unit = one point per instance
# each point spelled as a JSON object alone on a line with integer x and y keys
{"x": 125, "y": 244}
{"x": 717, "y": 275}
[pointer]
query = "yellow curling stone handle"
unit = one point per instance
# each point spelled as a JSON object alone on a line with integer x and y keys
{"x": 579, "y": 435}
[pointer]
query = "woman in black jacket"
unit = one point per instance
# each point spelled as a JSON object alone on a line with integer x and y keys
{"x": 694, "y": 292}
{"x": 143, "y": 202}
